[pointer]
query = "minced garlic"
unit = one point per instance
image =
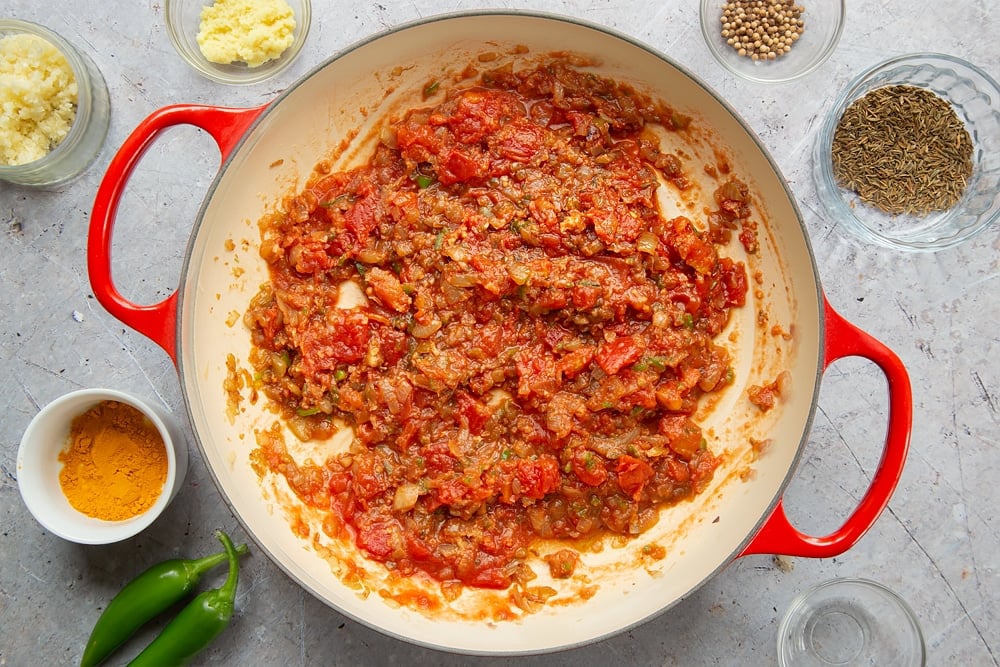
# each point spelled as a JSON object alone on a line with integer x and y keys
{"x": 38, "y": 96}
{"x": 249, "y": 31}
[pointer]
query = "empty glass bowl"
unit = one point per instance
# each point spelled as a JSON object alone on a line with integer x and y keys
{"x": 823, "y": 25}
{"x": 849, "y": 622}
{"x": 975, "y": 98}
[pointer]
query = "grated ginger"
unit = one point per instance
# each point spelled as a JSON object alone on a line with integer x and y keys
{"x": 249, "y": 31}
{"x": 38, "y": 97}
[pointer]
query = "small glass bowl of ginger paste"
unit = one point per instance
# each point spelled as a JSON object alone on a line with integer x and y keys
{"x": 61, "y": 103}
{"x": 238, "y": 41}
{"x": 98, "y": 466}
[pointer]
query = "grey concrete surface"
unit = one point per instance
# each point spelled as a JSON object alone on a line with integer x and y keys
{"x": 938, "y": 544}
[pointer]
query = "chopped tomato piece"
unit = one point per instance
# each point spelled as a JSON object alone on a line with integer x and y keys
{"x": 342, "y": 338}
{"x": 382, "y": 539}
{"x": 471, "y": 413}
{"x": 519, "y": 140}
{"x": 537, "y": 374}
{"x": 573, "y": 363}
{"x": 633, "y": 474}
{"x": 697, "y": 252}
{"x": 619, "y": 353}
{"x": 460, "y": 166}
{"x": 562, "y": 563}
{"x": 589, "y": 467}
{"x": 538, "y": 477}
{"x": 685, "y": 436}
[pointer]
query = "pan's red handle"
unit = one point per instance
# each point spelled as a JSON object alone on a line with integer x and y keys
{"x": 156, "y": 321}
{"x": 778, "y": 535}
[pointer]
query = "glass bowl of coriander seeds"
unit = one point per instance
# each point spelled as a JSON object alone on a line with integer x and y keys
{"x": 909, "y": 155}
{"x": 772, "y": 41}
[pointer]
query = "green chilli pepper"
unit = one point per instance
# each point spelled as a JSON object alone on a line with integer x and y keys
{"x": 145, "y": 597}
{"x": 198, "y": 623}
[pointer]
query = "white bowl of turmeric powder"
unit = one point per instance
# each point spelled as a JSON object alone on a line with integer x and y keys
{"x": 238, "y": 41}
{"x": 98, "y": 466}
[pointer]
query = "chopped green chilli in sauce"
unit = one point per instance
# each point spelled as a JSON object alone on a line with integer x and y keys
{"x": 534, "y": 337}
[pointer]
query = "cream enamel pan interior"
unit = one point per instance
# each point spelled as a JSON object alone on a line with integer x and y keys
{"x": 353, "y": 91}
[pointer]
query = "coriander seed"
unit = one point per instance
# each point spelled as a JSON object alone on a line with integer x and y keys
{"x": 762, "y": 29}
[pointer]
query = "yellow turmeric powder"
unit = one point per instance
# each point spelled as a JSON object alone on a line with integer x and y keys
{"x": 115, "y": 464}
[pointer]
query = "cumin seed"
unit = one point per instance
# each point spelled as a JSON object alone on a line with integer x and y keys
{"x": 903, "y": 149}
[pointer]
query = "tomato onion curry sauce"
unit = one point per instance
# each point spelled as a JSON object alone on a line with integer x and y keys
{"x": 515, "y": 333}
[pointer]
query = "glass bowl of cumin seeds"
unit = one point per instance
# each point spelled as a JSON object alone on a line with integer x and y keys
{"x": 909, "y": 156}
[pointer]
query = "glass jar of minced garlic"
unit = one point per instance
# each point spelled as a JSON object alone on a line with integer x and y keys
{"x": 60, "y": 104}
